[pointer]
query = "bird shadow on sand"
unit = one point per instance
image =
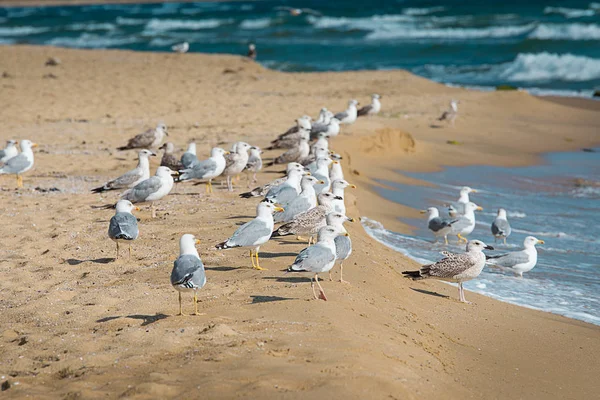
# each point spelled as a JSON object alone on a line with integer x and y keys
{"x": 222, "y": 269}
{"x": 106, "y": 260}
{"x": 269, "y": 299}
{"x": 275, "y": 255}
{"x": 284, "y": 242}
{"x": 241, "y": 216}
{"x": 430, "y": 293}
{"x": 147, "y": 319}
{"x": 289, "y": 279}
{"x": 436, "y": 126}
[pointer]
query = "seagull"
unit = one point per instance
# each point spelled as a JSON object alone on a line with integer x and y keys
{"x": 181, "y": 47}
{"x": 235, "y": 162}
{"x": 331, "y": 128}
{"x": 465, "y": 224}
{"x": 294, "y": 12}
{"x": 453, "y": 267}
{"x": 206, "y": 169}
{"x": 337, "y": 188}
{"x": 343, "y": 243}
{"x": 323, "y": 117}
{"x": 288, "y": 190}
{"x": 168, "y": 159}
{"x": 348, "y": 116}
{"x": 252, "y": 51}
{"x": 311, "y": 161}
{"x": 318, "y": 258}
{"x": 518, "y": 261}
{"x": 152, "y": 138}
{"x": 151, "y": 189}
{"x": 296, "y": 153}
{"x": 450, "y": 114}
{"x": 458, "y": 207}
{"x": 322, "y": 142}
{"x": 306, "y": 200}
{"x": 123, "y": 225}
{"x": 293, "y": 136}
{"x": 309, "y": 222}
{"x": 130, "y": 178}
{"x": 500, "y": 227}
{"x": 189, "y": 158}
{"x": 437, "y": 225}
{"x": 188, "y": 270}
{"x": 254, "y": 233}
{"x": 21, "y": 163}
{"x": 322, "y": 173}
{"x": 254, "y": 163}
{"x": 263, "y": 190}
{"x": 371, "y": 109}
{"x": 9, "y": 151}
{"x": 336, "y": 173}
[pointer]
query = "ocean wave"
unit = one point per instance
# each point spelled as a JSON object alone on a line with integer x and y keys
{"x": 574, "y": 31}
{"x": 92, "y": 27}
{"x": 569, "y": 12}
{"x": 173, "y": 24}
{"x": 551, "y": 67}
{"x": 367, "y": 23}
{"x": 450, "y": 33}
{"x": 21, "y": 30}
{"x": 259, "y": 23}
{"x": 130, "y": 21}
{"x": 88, "y": 40}
{"x": 422, "y": 11}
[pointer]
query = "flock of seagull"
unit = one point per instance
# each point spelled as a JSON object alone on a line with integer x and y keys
{"x": 307, "y": 202}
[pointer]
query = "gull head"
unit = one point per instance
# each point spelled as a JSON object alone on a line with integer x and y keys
{"x": 342, "y": 184}
{"x": 294, "y": 165}
{"x": 266, "y": 207}
{"x": 11, "y": 143}
{"x": 147, "y": 153}
{"x": 336, "y": 218}
{"x": 168, "y": 147}
{"x": 470, "y": 207}
{"x": 125, "y": 206}
{"x": 465, "y": 190}
{"x": 375, "y": 96}
{"x": 531, "y": 241}
{"x": 255, "y": 150}
{"x": 242, "y": 147}
{"x": 431, "y": 212}
{"x": 329, "y": 233}
{"x": 353, "y": 103}
{"x": 162, "y": 128}
{"x": 326, "y": 198}
{"x": 27, "y": 144}
{"x": 309, "y": 180}
{"x": 217, "y": 151}
{"x": 478, "y": 245}
{"x": 164, "y": 172}
{"x": 502, "y": 213}
{"x": 187, "y": 244}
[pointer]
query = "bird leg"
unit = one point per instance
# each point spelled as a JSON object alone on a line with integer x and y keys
{"x": 19, "y": 181}
{"x": 342, "y": 274}
{"x": 312, "y": 285}
{"x": 461, "y": 292}
{"x": 446, "y": 240}
{"x": 254, "y": 179}
{"x": 310, "y": 240}
{"x": 461, "y": 238}
{"x": 196, "y": 304}
{"x": 505, "y": 240}
{"x": 129, "y": 250}
{"x": 258, "y": 267}
{"x": 180, "y": 307}
{"x": 300, "y": 238}
{"x": 117, "y": 250}
{"x": 229, "y": 183}
{"x": 321, "y": 291}
{"x": 153, "y": 210}
{"x": 330, "y": 278}
{"x": 252, "y": 259}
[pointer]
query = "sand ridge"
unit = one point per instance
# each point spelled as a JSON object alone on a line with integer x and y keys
{"x": 80, "y": 325}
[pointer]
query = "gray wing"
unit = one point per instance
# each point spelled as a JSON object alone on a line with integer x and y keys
{"x": 124, "y": 180}
{"x": 365, "y": 110}
{"x": 254, "y": 163}
{"x": 142, "y": 190}
{"x": 289, "y": 156}
{"x": 15, "y": 164}
{"x": 451, "y": 266}
{"x": 123, "y": 226}
{"x": 199, "y": 171}
{"x": 316, "y": 129}
{"x": 144, "y": 139}
{"x": 188, "y": 272}
{"x": 249, "y": 233}
{"x": 501, "y": 227}
{"x": 231, "y": 159}
{"x": 460, "y": 224}
{"x": 437, "y": 224}
{"x": 341, "y": 115}
{"x": 188, "y": 160}
{"x": 343, "y": 247}
{"x": 312, "y": 258}
{"x": 2, "y": 154}
{"x": 509, "y": 260}
{"x": 298, "y": 205}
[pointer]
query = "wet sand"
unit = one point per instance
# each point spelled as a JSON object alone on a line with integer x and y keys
{"x": 78, "y": 324}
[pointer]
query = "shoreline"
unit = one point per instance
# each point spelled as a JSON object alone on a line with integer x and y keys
{"x": 371, "y": 333}
{"x": 44, "y": 3}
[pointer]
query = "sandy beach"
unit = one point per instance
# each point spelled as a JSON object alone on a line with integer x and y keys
{"x": 79, "y": 325}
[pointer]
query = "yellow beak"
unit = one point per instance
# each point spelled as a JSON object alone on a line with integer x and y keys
{"x": 227, "y": 152}
{"x": 346, "y": 234}
{"x": 336, "y": 162}
{"x": 479, "y": 208}
{"x": 321, "y": 182}
{"x": 353, "y": 186}
{"x": 423, "y": 212}
{"x": 279, "y": 209}
{"x": 473, "y": 191}
{"x": 136, "y": 208}
{"x": 541, "y": 242}
{"x": 350, "y": 219}
{"x": 308, "y": 174}
{"x": 197, "y": 241}
{"x": 34, "y": 145}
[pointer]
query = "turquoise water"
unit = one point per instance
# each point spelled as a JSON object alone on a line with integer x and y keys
{"x": 548, "y": 47}
{"x": 541, "y": 201}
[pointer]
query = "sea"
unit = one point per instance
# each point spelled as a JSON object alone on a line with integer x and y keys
{"x": 557, "y": 201}
{"x": 546, "y": 47}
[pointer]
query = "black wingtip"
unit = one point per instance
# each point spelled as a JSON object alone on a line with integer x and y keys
{"x": 122, "y": 148}
{"x": 99, "y": 189}
{"x": 412, "y": 274}
{"x": 246, "y": 195}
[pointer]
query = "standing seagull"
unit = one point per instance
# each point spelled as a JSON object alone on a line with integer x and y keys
{"x": 152, "y": 189}
{"x": 458, "y": 207}
{"x": 123, "y": 225}
{"x": 254, "y": 163}
{"x": 318, "y": 258}
{"x": 348, "y": 116}
{"x": 152, "y": 138}
{"x": 465, "y": 224}
{"x": 188, "y": 270}
{"x": 236, "y": 162}
{"x": 343, "y": 243}
{"x": 306, "y": 200}
{"x": 263, "y": 190}
{"x": 371, "y": 109}
{"x": 453, "y": 267}
{"x": 438, "y": 226}
{"x": 130, "y": 178}
{"x": 168, "y": 159}
{"x": 293, "y": 136}
{"x": 500, "y": 227}
{"x": 254, "y": 233}
{"x": 450, "y": 114}
{"x": 9, "y": 151}
{"x": 206, "y": 169}
{"x": 288, "y": 190}
{"x": 296, "y": 153}
{"x": 21, "y": 163}
{"x": 518, "y": 261}
{"x": 337, "y": 188}
{"x": 252, "y": 51}
{"x": 189, "y": 158}
{"x": 181, "y": 47}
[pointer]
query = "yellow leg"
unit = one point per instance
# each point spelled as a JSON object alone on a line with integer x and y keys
{"x": 446, "y": 240}
{"x": 252, "y": 259}
{"x": 196, "y": 304}
{"x": 19, "y": 181}
{"x": 461, "y": 238}
{"x": 300, "y": 238}
{"x": 180, "y": 307}
{"x": 258, "y": 267}
{"x": 117, "y": 251}
{"x": 330, "y": 277}
{"x": 342, "y": 274}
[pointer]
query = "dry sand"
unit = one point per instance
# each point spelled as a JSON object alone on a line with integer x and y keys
{"x": 76, "y": 324}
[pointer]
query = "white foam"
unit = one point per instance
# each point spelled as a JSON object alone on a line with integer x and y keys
{"x": 130, "y": 21}
{"x": 92, "y": 27}
{"x": 575, "y": 31}
{"x": 367, "y": 23}
{"x": 547, "y": 67}
{"x": 422, "y": 11}
{"x": 91, "y": 41}
{"x": 259, "y": 23}
{"x": 403, "y": 32}
{"x": 172, "y": 24}
{"x": 21, "y": 30}
{"x": 569, "y": 12}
